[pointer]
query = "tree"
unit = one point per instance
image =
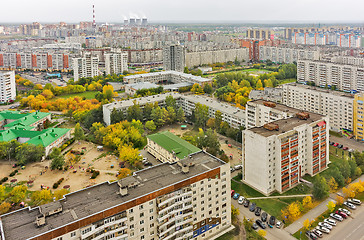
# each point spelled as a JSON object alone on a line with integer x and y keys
{"x": 320, "y": 187}
{"x": 201, "y": 114}
{"x": 259, "y": 85}
{"x": 2, "y": 193}
{"x": 4, "y": 207}
{"x": 353, "y": 167}
{"x": 339, "y": 200}
{"x": 180, "y": 115}
{"x": 150, "y": 125}
{"x": 116, "y": 116}
{"x": 294, "y": 211}
{"x": 345, "y": 169}
{"x": 170, "y": 115}
{"x": 157, "y": 116}
{"x": 336, "y": 174}
{"x": 42, "y": 197}
{"x": 134, "y": 112}
{"x": 197, "y": 89}
{"x": 18, "y": 193}
{"x": 331, "y": 206}
{"x": 108, "y": 92}
{"x": 79, "y": 133}
{"x": 171, "y": 102}
{"x": 130, "y": 155}
{"x": 333, "y": 185}
{"x": 26, "y": 153}
{"x": 262, "y": 233}
{"x": 123, "y": 173}
{"x": 306, "y": 224}
{"x": 211, "y": 123}
{"x": 58, "y": 194}
{"x": 207, "y": 88}
{"x": 218, "y": 119}
{"x": 185, "y": 70}
{"x": 234, "y": 212}
{"x": 307, "y": 203}
{"x": 358, "y": 171}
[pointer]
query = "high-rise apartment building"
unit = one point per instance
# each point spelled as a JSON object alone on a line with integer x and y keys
{"x": 187, "y": 200}
{"x": 359, "y": 116}
{"x": 7, "y": 86}
{"x": 278, "y": 154}
{"x": 343, "y": 77}
{"x": 287, "y": 54}
{"x": 260, "y": 34}
{"x": 116, "y": 63}
{"x": 87, "y": 66}
{"x": 337, "y": 106}
{"x": 174, "y": 58}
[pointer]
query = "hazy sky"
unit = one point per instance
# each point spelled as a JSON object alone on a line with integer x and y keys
{"x": 183, "y": 10}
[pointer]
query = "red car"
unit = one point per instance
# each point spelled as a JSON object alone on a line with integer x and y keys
{"x": 345, "y": 148}
{"x": 232, "y": 192}
{"x": 344, "y": 215}
{"x": 336, "y": 144}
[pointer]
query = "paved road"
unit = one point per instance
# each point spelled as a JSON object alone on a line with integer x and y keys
{"x": 350, "y": 143}
{"x": 288, "y": 196}
{"x": 349, "y": 229}
{"x": 272, "y": 233}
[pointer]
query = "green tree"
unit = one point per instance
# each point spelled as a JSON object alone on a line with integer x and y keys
{"x": 201, "y": 115}
{"x": 207, "y": 88}
{"x": 171, "y": 102}
{"x": 150, "y": 125}
{"x": 158, "y": 116}
{"x": 180, "y": 115}
{"x": 2, "y": 193}
{"x": 337, "y": 175}
{"x": 218, "y": 119}
{"x": 185, "y": 70}
{"x": 27, "y": 153}
{"x": 42, "y": 197}
{"x": 116, "y": 116}
{"x": 134, "y": 112}
{"x": 353, "y": 167}
{"x": 79, "y": 133}
{"x": 345, "y": 169}
{"x": 320, "y": 188}
{"x": 170, "y": 115}
{"x": 57, "y": 159}
{"x": 197, "y": 89}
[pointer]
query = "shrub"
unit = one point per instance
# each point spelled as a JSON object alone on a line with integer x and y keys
{"x": 94, "y": 174}
{"x": 3, "y": 180}
{"x": 55, "y": 185}
{"x": 13, "y": 173}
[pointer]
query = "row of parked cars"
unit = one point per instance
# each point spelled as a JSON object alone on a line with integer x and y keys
{"x": 339, "y": 215}
{"x": 341, "y": 146}
{"x": 264, "y": 220}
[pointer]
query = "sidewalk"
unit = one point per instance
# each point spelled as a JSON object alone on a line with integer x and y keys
{"x": 286, "y": 196}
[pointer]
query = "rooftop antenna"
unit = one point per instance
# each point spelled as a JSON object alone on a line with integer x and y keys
{"x": 93, "y": 16}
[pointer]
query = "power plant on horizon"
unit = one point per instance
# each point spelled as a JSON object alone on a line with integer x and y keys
{"x": 134, "y": 20}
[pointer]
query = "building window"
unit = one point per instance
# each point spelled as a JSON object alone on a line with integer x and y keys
{"x": 141, "y": 207}
{"x": 142, "y": 215}
{"x": 151, "y": 218}
{"x": 73, "y": 234}
{"x": 142, "y": 230}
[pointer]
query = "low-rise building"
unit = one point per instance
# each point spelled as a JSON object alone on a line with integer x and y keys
{"x": 132, "y": 88}
{"x": 338, "y": 106}
{"x": 167, "y": 147}
{"x": 268, "y": 94}
{"x": 278, "y": 154}
{"x": 187, "y": 200}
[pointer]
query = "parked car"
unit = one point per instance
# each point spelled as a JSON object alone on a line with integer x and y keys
{"x": 325, "y": 225}
{"x": 255, "y": 226}
{"x": 354, "y": 201}
{"x": 252, "y": 207}
{"x": 323, "y": 229}
{"x": 279, "y": 224}
{"x": 311, "y": 235}
{"x": 260, "y": 224}
{"x": 236, "y": 196}
{"x": 246, "y": 203}
{"x": 332, "y": 143}
{"x": 330, "y": 221}
{"x": 336, "y": 144}
{"x": 349, "y": 205}
{"x": 238, "y": 167}
{"x": 345, "y": 148}
{"x": 351, "y": 150}
{"x": 258, "y": 210}
{"x": 336, "y": 217}
{"x": 342, "y": 214}
{"x": 340, "y": 146}
{"x": 345, "y": 211}
{"x": 318, "y": 233}
{"x": 241, "y": 200}
{"x": 232, "y": 192}
{"x": 232, "y": 169}
{"x": 272, "y": 220}
{"x": 264, "y": 216}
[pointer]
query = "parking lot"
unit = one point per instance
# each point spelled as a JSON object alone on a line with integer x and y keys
{"x": 350, "y": 143}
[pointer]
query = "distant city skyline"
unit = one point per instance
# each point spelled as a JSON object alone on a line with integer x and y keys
{"x": 189, "y": 11}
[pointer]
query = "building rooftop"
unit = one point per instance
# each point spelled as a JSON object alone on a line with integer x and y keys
{"x": 142, "y": 85}
{"x": 319, "y": 89}
{"x": 278, "y": 106}
{"x": 185, "y": 75}
{"x": 20, "y": 225}
{"x": 286, "y": 125}
{"x": 28, "y": 119}
{"x": 172, "y": 143}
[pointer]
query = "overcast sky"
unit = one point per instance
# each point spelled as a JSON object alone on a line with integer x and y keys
{"x": 183, "y": 10}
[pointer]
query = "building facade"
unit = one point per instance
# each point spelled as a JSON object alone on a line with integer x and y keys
{"x": 87, "y": 66}
{"x": 337, "y": 106}
{"x": 278, "y": 154}
{"x": 174, "y": 58}
{"x": 7, "y": 86}
{"x": 358, "y": 116}
{"x": 189, "y": 200}
{"x": 116, "y": 63}
{"x": 280, "y": 54}
{"x": 343, "y": 77}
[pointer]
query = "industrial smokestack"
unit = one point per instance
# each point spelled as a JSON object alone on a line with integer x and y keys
{"x": 93, "y": 16}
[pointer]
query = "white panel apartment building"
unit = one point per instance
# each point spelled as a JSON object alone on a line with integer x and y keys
{"x": 174, "y": 58}
{"x": 87, "y": 66}
{"x": 230, "y": 114}
{"x": 116, "y": 63}
{"x": 7, "y": 86}
{"x": 338, "y": 106}
{"x": 343, "y": 77}
{"x": 287, "y": 54}
{"x": 190, "y": 199}
{"x": 278, "y": 154}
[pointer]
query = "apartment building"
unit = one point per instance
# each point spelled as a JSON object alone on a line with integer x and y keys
{"x": 174, "y": 58}
{"x": 166, "y": 77}
{"x": 260, "y": 33}
{"x": 234, "y": 116}
{"x": 348, "y": 60}
{"x": 341, "y": 76}
{"x": 282, "y": 54}
{"x": 7, "y": 86}
{"x": 268, "y": 94}
{"x": 190, "y": 199}
{"x": 358, "y": 116}
{"x": 277, "y": 154}
{"x": 260, "y": 112}
{"x": 116, "y": 63}
{"x": 87, "y": 66}
{"x": 337, "y": 106}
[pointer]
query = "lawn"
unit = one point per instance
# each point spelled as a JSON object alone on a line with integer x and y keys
{"x": 87, "y": 95}
{"x": 244, "y": 189}
{"x": 289, "y": 80}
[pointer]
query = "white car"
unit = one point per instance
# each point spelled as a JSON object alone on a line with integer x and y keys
{"x": 323, "y": 229}
{"x": 350, "y": 205}
{"x": 278, "y": 224}
{"x": 241, "y": 200}
{"x": 325, "y": 225}
{"x": 238, "y": 167}
{"x": 354, "y": 201}
{"x": 336, "y": 217}
{"x": 330, "y": 221}
{"x": 344, "y": 210}
{"x": 317, "y": 233}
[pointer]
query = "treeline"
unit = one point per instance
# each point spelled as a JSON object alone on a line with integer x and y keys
{"x": 23, "y": 153}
